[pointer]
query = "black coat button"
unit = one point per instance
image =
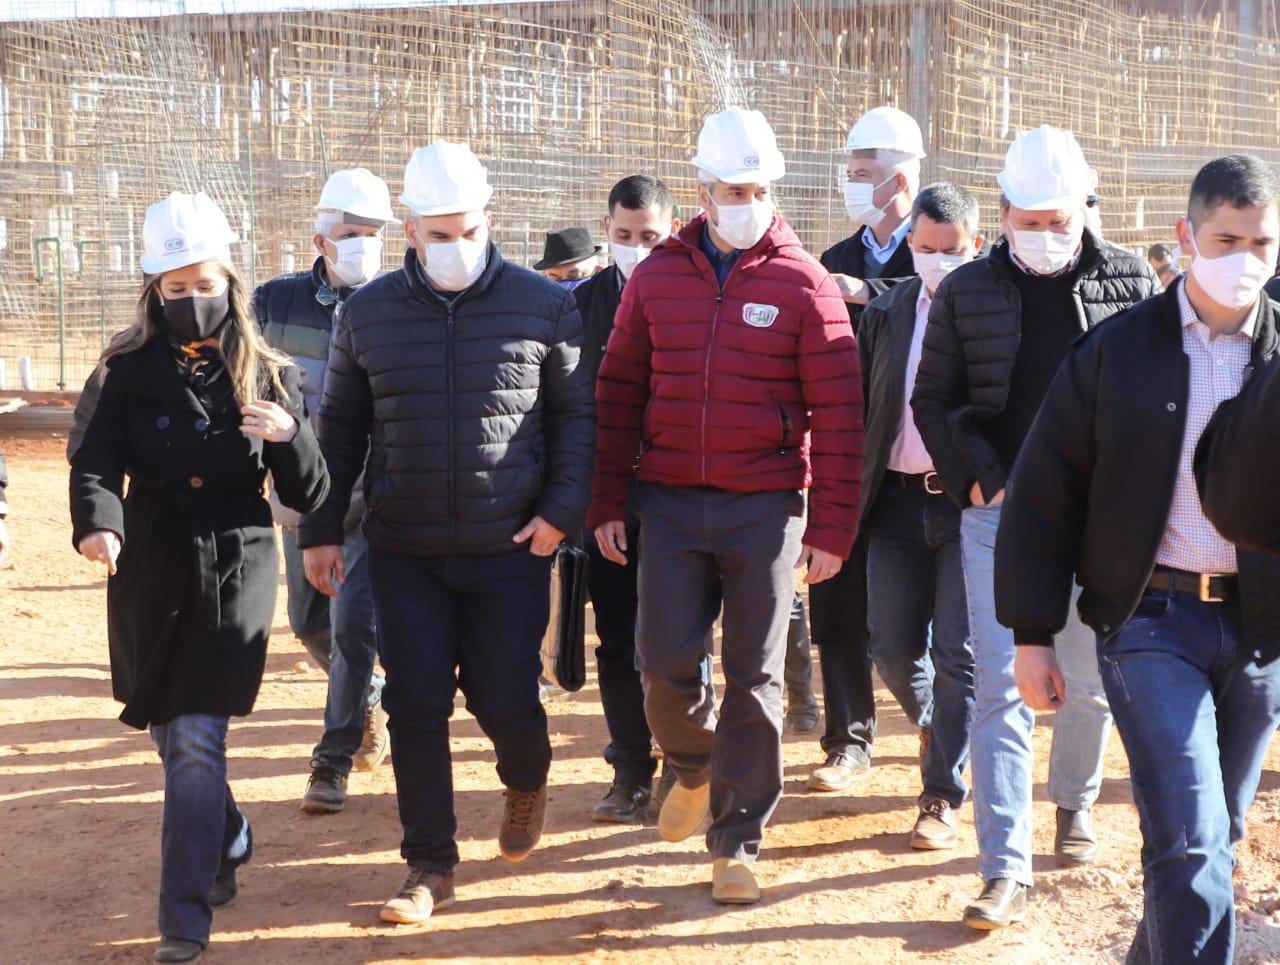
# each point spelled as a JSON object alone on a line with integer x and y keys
{"x": 162, "y": 422}
{"x": 202, "y": 425}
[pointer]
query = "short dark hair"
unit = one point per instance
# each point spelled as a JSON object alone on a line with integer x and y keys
{"x": 639, "y": 191}
{"x": 947, "y": 203}
{"x": 1160, "y": 252}
{"x": 1240, "y": 180}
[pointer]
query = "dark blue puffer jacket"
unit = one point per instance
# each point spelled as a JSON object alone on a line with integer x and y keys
{"x": 477, "y": 414}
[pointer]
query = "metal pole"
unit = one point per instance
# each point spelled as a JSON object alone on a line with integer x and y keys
{"x": 101, "y": 243}
{"x": 62, "y": 310}
{"x": 324, "y": 151}
{"x": 253, "y": 216}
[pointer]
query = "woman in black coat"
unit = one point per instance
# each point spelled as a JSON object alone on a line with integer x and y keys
{"x": 195, "y": 410}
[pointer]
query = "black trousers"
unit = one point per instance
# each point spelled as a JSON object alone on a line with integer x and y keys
{"x": 615, "y": 603}
{"x": 450, "y": 622}
{"x": 838, "y": 618}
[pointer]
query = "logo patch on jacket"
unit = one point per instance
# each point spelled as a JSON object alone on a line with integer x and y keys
{"x": 759, "y": 316}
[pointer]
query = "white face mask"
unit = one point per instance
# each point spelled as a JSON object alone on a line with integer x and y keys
{"x": 858, "y": 201}
{"x": 1046, "y": 252}
{"x": 1233, "y": 281}
{"x": 358, "y": 260}
{"x": 935, "y": 266}
{"x": 626, "y": 257}
{"x": 743, "y": 225}
{"x": 454, "y": 266}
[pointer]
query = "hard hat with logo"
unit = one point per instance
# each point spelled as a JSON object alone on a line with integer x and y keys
{"x": 184, "y": 229}
{"x": 1045, "y": 170}
{"x": 359, "y": 193}
{"x": 738, "y": 147}
{"x": 445, "y": 178}
{"x": 886, "y": 129}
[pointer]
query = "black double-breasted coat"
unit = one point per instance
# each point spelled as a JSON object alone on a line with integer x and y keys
{"x": 191, "y": 604}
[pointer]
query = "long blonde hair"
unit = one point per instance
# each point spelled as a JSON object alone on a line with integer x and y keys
{"x": 254, "y": 366}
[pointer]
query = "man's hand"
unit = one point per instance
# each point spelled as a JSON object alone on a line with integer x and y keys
{"x": 611, "y": 538}
{"x": 545, "y": 537}
{"x": 325, "y": 569}
{"x": 975, "y": 497}
{"x": 853, "y": 290}
{"x": 101, "y": 546}
{"x": 822, "y": 565}
{"x": 1039, "y": 680}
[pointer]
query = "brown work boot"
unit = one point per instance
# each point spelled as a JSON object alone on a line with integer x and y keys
{"x": 422, "y": 893}
{"x": 839, "y": 771}
{"x": 732, "y": 883}
{"x": 523, "y": 817}
{"x": 935, "y": 828}
{"x": 1003, "y": 902}
{"x": 684, "y": 811}
{"x": 373, "y": 748}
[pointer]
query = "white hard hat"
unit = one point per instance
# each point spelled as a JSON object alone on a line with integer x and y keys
{"x": 184, "y": 229}
{"x": 886, "y": 129}
{"x": 738, "y": 147}
{"x": 359, "y": 192}
{"x": 1045, "y": 170}
{"x": 445, "y": 178}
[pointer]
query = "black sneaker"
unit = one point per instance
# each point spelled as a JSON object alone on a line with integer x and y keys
{"x": 624, "y": 803}
{"x": 326, "y": 791}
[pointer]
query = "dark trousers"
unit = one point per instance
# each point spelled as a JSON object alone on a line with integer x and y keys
{"x": 445, "y": 622}
{"x": 203, "y": 833}
{"x": 1196, "y": 715}
{"x": 615, "y": 604}
{"x": 700, "y": 548}
{"x": 918, "y": 621}
{"x": 838, "y": 617}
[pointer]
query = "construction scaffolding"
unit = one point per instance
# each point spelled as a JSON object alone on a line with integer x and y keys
{"x": 101, "y": 117}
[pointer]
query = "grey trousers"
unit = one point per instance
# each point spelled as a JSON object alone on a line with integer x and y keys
{"x": 700, "y": 548}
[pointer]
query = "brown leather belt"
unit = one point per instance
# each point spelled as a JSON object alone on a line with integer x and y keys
{"x": 928, "y": 481}
{"x": 1205, "y": 586}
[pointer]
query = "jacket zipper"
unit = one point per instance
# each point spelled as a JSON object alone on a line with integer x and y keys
{"x": 450, "y": 418}
{"x": 706, "y": 381}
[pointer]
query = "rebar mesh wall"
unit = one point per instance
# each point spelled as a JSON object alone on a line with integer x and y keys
{"x": 98, "y": 118}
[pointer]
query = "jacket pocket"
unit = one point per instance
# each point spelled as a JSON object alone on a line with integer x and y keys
{"x": 788, "y": 436}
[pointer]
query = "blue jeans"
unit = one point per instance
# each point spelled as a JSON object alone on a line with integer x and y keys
{"x": 203, "y": 834}
{"x": 915, "y": 581}
{"x": 1000, "y": 745}
{"x": 347, "y": 652}
{"x": 450, "y": 622}
{"x": 1196, "y": 715}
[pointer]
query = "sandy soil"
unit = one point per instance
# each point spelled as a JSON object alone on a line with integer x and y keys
{"x": 80, "y": 808}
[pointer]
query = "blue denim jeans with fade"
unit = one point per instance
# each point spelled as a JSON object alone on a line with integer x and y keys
{"x": 1196, "y": 714}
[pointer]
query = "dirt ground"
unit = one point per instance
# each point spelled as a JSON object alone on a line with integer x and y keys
{"x": 80, "y": 809}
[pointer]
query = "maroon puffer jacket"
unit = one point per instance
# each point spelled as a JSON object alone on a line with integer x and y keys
{"x": 741, "y": 390}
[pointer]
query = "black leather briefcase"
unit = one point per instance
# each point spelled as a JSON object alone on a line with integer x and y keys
{"x": 564, "y": 661}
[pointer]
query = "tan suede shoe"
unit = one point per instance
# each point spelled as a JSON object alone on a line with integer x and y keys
{"x": 732, "y": 883}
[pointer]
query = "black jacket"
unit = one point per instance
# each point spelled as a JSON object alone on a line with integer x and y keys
{"x": 297, "y": 323}
{"x": 975, "y": 325}
{"x": 849, "y": 257}
{"x": 884, "y": 342}
{"x": 1237, "y": 464}
{"x": 475, "y": 416}
{"x": 1272, "y": 288}
{"x": 193, "y": 599}
{"x": 598, "y": 299}
{"x": 1090, "y": 496}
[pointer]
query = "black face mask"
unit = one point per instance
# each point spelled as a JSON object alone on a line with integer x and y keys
{"x": 193, "y": 319}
